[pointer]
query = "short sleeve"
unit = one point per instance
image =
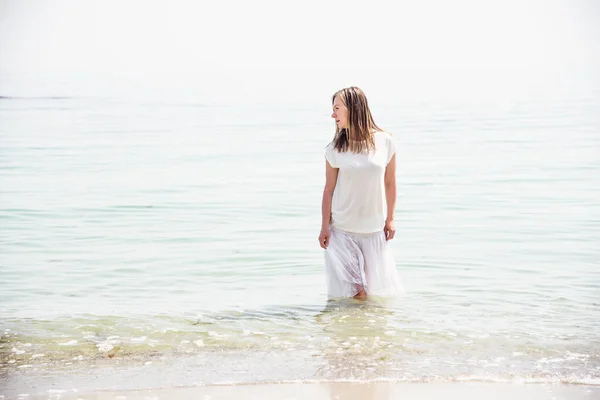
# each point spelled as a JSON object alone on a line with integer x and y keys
{"x": 391, "y": 148}
{"x": 331, "y": 156}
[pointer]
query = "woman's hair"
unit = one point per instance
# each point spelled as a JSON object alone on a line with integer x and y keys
{"x": 358, "y": 136}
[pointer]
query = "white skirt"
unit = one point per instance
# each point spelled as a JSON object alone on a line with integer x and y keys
{"x": 355, "y": 261}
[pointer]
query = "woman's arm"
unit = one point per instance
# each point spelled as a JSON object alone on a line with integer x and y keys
{"x": 330, "y": 181}
{"x": 390, "y": 197}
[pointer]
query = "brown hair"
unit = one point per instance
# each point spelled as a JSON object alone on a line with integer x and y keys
{"x": 358, "y": 136}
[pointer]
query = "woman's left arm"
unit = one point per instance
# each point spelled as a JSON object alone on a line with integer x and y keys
{"x": 390, "y": 197}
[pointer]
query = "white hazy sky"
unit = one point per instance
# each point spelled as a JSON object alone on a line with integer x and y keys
{"x": 308, "y": 39}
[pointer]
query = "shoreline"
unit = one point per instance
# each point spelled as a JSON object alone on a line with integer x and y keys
{"x": 280, "y": 375}
{"x": 343, "y": 391}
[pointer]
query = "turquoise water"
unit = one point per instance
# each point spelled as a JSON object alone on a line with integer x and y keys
{"x": 150, "y": 235}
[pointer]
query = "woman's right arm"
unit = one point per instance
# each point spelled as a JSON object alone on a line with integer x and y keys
{"x": 330, "y": 181}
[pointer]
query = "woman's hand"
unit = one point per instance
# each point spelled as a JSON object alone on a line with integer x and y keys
{"x": 324, "y": 237}
{"x": 389, "y": 229}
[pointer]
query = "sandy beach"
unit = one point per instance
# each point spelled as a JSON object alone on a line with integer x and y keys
{"x": 347, "y": 391}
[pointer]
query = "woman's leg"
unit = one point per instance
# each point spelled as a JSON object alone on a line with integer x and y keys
{"x": 344, "y": 267}
{"x": 380, "y": 267}
{"x": 362, "y": 295}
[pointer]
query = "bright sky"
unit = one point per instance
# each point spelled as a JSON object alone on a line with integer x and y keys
{"x": 337, "y": 40}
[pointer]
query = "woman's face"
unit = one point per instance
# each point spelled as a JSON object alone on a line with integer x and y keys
{"x": 340, "y": 113}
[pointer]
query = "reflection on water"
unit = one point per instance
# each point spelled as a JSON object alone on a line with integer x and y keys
{"x": 358, "y": 340}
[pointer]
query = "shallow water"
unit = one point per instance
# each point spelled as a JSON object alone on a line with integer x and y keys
{"x": 151, "y": 233}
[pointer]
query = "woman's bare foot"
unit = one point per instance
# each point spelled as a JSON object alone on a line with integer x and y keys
{"x": 362, "y": 295}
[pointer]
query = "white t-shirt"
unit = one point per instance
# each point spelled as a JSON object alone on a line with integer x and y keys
{"x": 359, "y": 203}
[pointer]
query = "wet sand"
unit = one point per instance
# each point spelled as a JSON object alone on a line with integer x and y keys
{"x": 348, "y": 391}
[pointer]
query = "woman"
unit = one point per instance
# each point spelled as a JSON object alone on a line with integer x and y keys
{"x": 358, "y": 203}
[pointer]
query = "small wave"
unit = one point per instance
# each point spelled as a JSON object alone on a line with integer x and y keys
{"x": 35, "y": 98}
{"x": 586, "y": 381}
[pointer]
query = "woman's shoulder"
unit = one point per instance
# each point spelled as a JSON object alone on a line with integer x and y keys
{"x": 385, "y": 141}
{"x": 330, "y": 149}
{"x": 383, "y": 136}
{"x": 382, "y": 133}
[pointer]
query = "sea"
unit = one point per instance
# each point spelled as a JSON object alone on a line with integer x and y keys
{"x": 151, "y": 240}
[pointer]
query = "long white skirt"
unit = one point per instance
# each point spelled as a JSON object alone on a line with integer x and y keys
{"x": 355, "y": 261}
